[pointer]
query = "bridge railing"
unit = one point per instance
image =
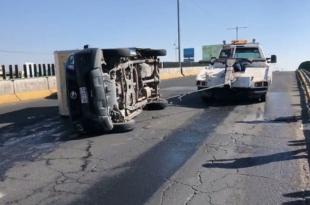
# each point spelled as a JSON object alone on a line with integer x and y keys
{"x": 10, "y": 72}
{"x": 304, "y": 77}
{"x": 173, "y": 64}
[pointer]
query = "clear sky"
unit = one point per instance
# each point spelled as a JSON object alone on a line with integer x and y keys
{"x": 38, "y": 27}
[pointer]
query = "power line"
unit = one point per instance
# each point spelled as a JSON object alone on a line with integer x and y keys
{"x": 24, "y": 52}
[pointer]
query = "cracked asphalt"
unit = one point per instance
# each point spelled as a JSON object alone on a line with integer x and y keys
{"x": 193, "y": 152}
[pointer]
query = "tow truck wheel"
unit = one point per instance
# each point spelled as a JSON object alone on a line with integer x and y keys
{"x": 263, "y": 98}
{"x": 157, "y": 105}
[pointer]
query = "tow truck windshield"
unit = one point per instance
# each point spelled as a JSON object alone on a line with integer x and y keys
{"x": 248, "y": 53}
{"x": 226, "y": 53}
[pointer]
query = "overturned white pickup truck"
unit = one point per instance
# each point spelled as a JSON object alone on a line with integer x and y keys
{"x": 107, "y": 88}
{"x": 240, "y": 70}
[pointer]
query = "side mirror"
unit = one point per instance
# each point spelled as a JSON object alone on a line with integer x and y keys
{"x": 273, "y": 59}
{"x": 213, "y": 59}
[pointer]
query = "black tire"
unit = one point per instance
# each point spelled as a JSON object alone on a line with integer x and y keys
{"x": 263, "y": 98}
{"x": 156, "y": 105}
{"x": 119, "y": 52}
{"x": 90, "y": 128}
{"x": 124, "y": 126}
{"x": 152, "y": 52}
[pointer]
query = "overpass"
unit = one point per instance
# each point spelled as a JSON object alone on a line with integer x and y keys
{"x": 194, "y": 152}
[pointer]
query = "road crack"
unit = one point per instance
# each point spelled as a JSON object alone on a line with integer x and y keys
{"x": 164, "y": 192}
{"x": 88, "y": 155}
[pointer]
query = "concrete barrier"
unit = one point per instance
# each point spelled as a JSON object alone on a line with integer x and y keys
{"x": 42, "y": 87}
{"x": 6, "y": 87}
{"x": 29, "y": 85}
{"x": 7, "y": 94}
{"x": 26, "y": 89}
{"x": 52, "y": 84}
{"x": 170, "y": 73}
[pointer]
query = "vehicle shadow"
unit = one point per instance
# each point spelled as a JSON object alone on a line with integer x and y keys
{"x": 285, "y": 119}
{"x": 296, "y": 143}
{"x": 301, "y": 197}
{"x": 297, "y": 202}
{"x": 29, "y": 133}
{"x": 239, "y": 163}
{"x": 195, "y": 100}
{"x": 52, "y": 96}
{"x": 29, "y": 121}
{"x": 39, "y": 125}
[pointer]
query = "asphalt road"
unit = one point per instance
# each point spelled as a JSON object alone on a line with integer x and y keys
{"x": 193, "y": 152}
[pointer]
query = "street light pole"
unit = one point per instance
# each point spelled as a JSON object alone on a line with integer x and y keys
{"x": 175, "y": 52}
{"x": 179, "y": 37}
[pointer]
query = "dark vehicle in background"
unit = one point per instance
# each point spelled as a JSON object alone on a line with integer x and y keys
{"x": 107, "y": 88}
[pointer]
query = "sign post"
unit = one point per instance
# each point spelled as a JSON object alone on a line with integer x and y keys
{"x": 189, "y": 54}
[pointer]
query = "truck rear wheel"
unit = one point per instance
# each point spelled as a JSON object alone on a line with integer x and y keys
{"x": 124, "y": 126}
{"x": 262, "y": 98}
{"x": 120, "y": 52}
{"x": 152, "y": 52}
{"x": 157, "y": 105}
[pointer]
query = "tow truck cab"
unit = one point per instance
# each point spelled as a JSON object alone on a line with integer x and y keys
{"x": 250, "y": 71}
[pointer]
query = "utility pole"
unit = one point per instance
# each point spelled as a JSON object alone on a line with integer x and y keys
{"x": 175, "y": 51}
{"x": 179, "y": 37}
{"x": 237, "y": 28}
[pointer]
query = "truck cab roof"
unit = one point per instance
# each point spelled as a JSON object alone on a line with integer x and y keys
{"x": 242, "y": 49}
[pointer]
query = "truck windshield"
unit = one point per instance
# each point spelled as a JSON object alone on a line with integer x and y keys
{"x": 249, "y": 53}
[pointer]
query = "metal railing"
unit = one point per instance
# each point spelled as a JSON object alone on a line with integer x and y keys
{"x": 165, "y": 65}
{"x": 304, "y": 78}
{"x": 11, "y": 72}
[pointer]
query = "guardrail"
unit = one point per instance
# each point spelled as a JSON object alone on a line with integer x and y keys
{"x": 11, "y": 72}
{"x": 304, "y": 78}
{"x": 165, "y": 65}
{"x": 166, "y": 74}
{"x": 41, "y": 83}
{"x": 30, "y": 81}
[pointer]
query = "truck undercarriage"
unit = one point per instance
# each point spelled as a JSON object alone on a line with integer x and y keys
{"x": 107, "y": 88}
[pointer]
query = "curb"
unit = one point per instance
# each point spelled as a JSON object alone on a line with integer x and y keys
{"x": 6, "y": 99}
{"x": 173, "y": 73}
{"x": 26, "y": 96}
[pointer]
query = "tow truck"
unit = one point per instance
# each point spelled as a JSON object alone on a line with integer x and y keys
{"x": 241, "y": 70}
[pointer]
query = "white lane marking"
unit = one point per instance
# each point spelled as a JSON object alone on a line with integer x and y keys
{"x": 1, "y": 195}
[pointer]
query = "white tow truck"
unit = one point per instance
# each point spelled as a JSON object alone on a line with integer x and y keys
{"x": 241, "y": 70}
